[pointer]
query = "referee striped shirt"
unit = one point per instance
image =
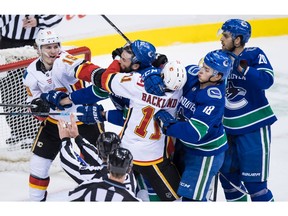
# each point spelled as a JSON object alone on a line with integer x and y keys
{"x": 102, "y": 190}
{"x": 81, "y": 171}
{"x": 12, "y": 25}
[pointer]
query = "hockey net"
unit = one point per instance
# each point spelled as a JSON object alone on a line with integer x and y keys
{"x": 17, "y": 132}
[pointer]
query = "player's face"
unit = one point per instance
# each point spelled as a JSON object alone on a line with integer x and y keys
{"x": 49, "y": 53}
{"x": 227, "y": 41}
{"x": 125, "y": 61}
{"x": 205, "y": 73}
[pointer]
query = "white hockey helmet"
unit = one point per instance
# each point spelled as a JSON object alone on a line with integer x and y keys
{"x": 174, "y": 75}
{"x": 47, "y": 36}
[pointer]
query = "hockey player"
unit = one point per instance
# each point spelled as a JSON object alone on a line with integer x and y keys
{"x": 76, "y": 167}
{"x": 138, "y": 55}
{"x": 201, "y": 139}
{"x": 247, "y": 118}
{"x": 109, "y": 189}
{"x": 140, "y": 134}
{"x": 49, "y": 72}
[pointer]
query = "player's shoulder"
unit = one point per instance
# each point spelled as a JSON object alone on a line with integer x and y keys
{"x": 32, "y": 66}
{"x": 252, "y": 52}
{"x": 192, "y": 69}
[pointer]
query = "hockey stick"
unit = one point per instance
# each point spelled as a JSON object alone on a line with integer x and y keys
{"x": 19, "y": 105}
{"x": 215, "y": 189}
{"x": 115, "y": 27}
{"x": 233, "y": 185}
{"x": 41, "y": 113}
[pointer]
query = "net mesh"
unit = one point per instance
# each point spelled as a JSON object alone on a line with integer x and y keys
{"x": 17, "y": 132}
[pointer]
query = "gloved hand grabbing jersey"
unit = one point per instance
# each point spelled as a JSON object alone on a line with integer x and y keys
{"x": 160, "y": 60}
{"x": 91, "y": 114}
{"x": 238, "y": 62}
{"x": 153, "y": 82}
{"x": 117, "y": 52}
{"x": 164, "y": 119}
{"x": 53, "y": 98}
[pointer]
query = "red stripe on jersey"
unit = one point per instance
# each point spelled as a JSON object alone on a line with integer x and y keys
{"x": 114, "y": 67}
{"x": 84, "y": 71}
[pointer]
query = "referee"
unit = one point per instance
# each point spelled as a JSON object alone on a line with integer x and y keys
{"x": 111, "y": 189}
{"x": 19, "y": 31}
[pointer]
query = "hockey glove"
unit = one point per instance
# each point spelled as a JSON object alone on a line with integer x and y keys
{"x": 42, "y": 106}
{"x": 238, "y": 61}
{"x": 53, "y": 98}
{"x": 153, "y": 82}
{"x": 160, "y": 60}
{"x": 164, "y": 119}
{"x": 91, "y": 114}
{"x": 117, "y": 52}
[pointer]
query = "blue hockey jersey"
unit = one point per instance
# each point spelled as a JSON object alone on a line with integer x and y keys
{"x": 247, "y": 107}
{"x": 200, "y": 113}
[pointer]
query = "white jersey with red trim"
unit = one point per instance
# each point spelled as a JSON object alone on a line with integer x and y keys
{"x": 59, "y": 78}
{"x": 141, "y": 134}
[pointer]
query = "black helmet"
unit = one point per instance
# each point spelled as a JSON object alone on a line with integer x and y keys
{"x": 106, "y": 142}
{"x": 119, "y": 161}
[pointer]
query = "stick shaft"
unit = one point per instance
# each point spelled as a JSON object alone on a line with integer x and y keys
{"x": 18, "y": 105}
{"x": 115, "y": 27}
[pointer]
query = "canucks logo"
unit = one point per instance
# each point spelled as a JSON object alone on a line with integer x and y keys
{"x": 214, "y": 93}
{"x": 235, "y": 97}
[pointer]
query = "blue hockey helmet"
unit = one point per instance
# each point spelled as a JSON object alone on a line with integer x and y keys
{"x": 237, "y": 27}
{"x": 106, "y": 142}
{"x": 119, "y": 161}
{"x": 220, "y": 62}
{"x": 144, "y": 53}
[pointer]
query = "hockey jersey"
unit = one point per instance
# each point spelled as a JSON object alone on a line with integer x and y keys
{"x": 140, "y": 133}
{"x": 200, "y": 113}
{"x": 38, "y": 81}
{"x": 247, "y": 107}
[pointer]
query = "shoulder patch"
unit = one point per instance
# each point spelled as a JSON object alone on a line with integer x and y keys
{"x": 192, "y": 69}
{"x": 214, "y": 92}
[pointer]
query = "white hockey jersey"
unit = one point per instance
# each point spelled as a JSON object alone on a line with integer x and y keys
{"x": 141, "y": 134}
{"x": 38, "y": 81}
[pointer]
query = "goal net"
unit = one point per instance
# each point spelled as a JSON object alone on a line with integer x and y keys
{"x": 17, "y": 132}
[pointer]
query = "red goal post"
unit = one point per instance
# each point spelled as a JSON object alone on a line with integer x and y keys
{"x": 18, "y": 132}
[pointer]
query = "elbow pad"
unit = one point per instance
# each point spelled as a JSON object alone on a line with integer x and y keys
{"x": 96, "y": 76}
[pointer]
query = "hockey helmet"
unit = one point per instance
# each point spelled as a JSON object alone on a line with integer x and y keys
{"x": 174, "y": 75}
{"x": 144, "y": 53}
{"x": 106, "y": 142}
{"x": 220, "y": 62}
{"x": 47, "y": 36}
{"x": 119, "y": 161}
{"x": 237, "y": 27}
